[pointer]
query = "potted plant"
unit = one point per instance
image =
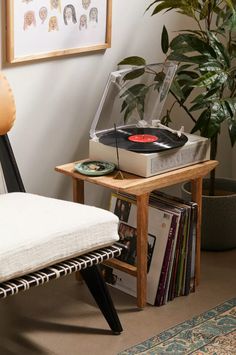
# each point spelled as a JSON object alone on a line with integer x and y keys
{"x": 205, "y": 88}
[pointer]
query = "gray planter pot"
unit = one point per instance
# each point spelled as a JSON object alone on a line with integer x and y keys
{"x": 218, "y": 216}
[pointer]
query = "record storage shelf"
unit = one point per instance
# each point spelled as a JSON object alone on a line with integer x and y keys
{"x": 141, "y": 188}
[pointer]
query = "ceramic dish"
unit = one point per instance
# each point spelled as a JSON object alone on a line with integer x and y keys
{"x": 95, "y": 167}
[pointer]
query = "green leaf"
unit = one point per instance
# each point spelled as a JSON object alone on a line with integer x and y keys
{"x": 164, "y": 40}
{"x": 202, "y": 123}
{"x": 134, "y": 60}
{"x": 159, "y": 78}
{"x": 178, "y": 43}
{"x": 183, "y": 67}
{"x": 186, "y": 77}
{"x": 134, "y": 74}
{"x": 136, "y": 90}
{"x": 211, "y": 66}
{"x": 124, "y": 105}
{"x": 199, "y": 105}
{"x": 166, "y": 120}
{"x": 199, "y": 59}
{"x": 231, "y": 104}
{"x": 205, "y": 99}
{"x": 210, "y": 120}
{"x": 134, "y": 98}
{"x": 191, "y": 74}
{"x": 165, "y": 5}
{"x": 176, "y": 89}
{"x": 186, "y": 91}
{"x": 219, "y": 49}
{"x": 230, "y": 22}
{"x": 182, "y": 6}
{"x": 231, "y": 83}
{"x": 129, "y": 110}
{"x": 193, "y": 43}
{"x": 154, "y": 2}
{"x": 218, "y": 115}
{"x": 210, "y": 79}
{"x": 205, "y": 95}
{"x": 140, "y": 108}
{"x": 232, "y": 130}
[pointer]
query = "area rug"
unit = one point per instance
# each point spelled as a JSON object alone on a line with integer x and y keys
{"x": 211, "y": 333}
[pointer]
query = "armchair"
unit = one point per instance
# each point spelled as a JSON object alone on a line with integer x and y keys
{"x": 44, "y": 238}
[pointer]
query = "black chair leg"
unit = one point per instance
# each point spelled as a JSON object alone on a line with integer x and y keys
{"x": 98, "y": 288}
{"x": 9, "y": 166}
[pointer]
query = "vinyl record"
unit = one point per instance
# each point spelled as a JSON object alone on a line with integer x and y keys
{"x": 143, "y": 140}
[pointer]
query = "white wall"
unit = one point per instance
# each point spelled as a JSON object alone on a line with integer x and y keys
{"x": 56, "y": 99}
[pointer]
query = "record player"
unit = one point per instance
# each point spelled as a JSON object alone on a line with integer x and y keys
{"x": 126, "y": 129}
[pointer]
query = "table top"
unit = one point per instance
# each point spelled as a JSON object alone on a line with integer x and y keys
{"x": 137, "y": 185}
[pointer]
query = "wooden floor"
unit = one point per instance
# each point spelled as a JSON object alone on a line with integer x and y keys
{"x": 61, "y": 319}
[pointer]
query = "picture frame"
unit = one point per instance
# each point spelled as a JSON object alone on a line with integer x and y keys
{"x": 53, "y": 28}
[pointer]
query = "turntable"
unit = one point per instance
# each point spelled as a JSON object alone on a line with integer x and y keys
{"x": 127, "y": 125}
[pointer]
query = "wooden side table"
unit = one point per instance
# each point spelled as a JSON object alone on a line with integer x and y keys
{"x": 141, "y": 188}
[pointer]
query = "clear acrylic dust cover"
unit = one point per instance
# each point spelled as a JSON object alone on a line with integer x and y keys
{"x": 133, "y": 97}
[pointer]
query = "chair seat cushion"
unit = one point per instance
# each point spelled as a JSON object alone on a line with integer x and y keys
{"x": 37, "y": 231}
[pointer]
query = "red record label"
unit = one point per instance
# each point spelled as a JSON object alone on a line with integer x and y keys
{"x": 143, "y": 138}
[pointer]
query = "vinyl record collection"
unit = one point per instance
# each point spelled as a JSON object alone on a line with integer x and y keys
{"x": 171, "y": 246}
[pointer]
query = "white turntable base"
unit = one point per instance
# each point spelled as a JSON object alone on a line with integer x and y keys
{"x": 196, "y": 150}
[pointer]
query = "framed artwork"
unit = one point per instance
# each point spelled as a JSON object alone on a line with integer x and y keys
{"x": 51, "y": 28}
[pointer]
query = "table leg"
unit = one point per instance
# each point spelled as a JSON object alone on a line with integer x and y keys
{"x": 197, "y": 197}
{"x": 78, "y": 190}
{"x": 142, "y": 237}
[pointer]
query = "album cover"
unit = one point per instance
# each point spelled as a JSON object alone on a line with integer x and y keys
{"x": 128, "y": 237}
{"x": 158, "y": 231}
{"x": 170, "y": 252}
{"x": 183, "y": 274}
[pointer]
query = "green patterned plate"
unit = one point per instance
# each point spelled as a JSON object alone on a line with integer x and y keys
{"x": 95, "y": 167}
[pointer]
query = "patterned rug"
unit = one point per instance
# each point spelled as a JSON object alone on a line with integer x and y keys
{"x": 211, "y": 333}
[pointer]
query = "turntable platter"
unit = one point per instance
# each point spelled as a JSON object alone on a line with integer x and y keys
{"x": 143, "y": 140}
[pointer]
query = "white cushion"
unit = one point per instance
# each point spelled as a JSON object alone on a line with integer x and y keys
{"x": 38, "y": 231}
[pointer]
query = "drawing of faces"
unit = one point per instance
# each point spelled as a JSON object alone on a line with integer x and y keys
{"x": 93, "y": 15}
{"x": 55, "y": 4}
{"x": 29, "y": 19}
{"x": 53, "y": 24}
{"x": 43, "y": 13}
{"x": 69, "y": 14}
{"x": 83, "y": 22}
{"x": 86, "y": 3}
